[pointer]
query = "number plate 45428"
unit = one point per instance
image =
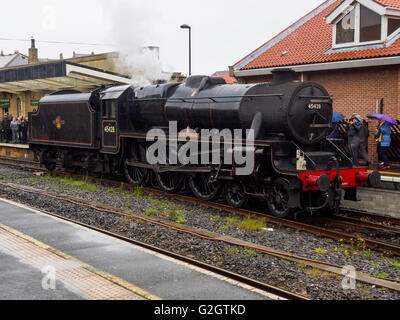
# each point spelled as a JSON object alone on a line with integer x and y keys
{"x": 109, "y": 129}
{"x": 315, "y": 106}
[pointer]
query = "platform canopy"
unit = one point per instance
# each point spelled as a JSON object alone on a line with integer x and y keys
{"x": 55, "y": 76}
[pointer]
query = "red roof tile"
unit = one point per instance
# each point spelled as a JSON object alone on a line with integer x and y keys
{"x": 310, "y": 42}
{"x": 389, "y": 3}
{"x": 225, "y": 75}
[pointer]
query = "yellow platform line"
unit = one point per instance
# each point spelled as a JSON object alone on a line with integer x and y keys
{"x": 387, "y": 173}
{"x": 114, "y": 279}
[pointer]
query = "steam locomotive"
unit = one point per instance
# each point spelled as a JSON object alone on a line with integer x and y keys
{"x": 283, "y": 129}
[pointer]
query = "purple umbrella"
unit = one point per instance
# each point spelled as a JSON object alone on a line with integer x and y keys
{"x": 382, "y": 117}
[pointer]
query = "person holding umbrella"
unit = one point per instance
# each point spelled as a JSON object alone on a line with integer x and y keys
{"x": 334, "y": 131}
{"x": 383, "y": 133}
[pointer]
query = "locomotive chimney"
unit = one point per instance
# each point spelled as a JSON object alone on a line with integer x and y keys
{"x": 283, "y": 75}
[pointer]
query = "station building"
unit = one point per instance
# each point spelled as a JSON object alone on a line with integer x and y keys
{"x": 352, "y": 47}
{"x": 24, "y": 80}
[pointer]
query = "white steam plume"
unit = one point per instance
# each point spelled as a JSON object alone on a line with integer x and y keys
{"x": 132, "y": 26}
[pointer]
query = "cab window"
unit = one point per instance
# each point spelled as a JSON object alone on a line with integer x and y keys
{"x": 110, "y": 109}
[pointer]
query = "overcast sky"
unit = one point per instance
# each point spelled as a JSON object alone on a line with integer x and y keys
{"x": 223, "y": 31}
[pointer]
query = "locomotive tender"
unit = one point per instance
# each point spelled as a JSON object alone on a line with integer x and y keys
{"x": 296, "y": 168}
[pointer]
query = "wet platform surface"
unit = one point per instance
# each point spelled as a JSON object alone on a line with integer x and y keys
{"x": 31, "y": 244}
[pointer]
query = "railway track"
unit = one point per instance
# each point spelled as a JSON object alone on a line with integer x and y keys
{"x": 25, "y": 164}
{"x": 357, "y": 226}
{"x": 371, "y": 243}
{"x": 317, "y": 226}
{"x": 284, "y": 294}
{"x": 205, "y": 234}
{"x": 356, "y": 216}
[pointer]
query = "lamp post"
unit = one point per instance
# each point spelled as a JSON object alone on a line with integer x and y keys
{"x": 185, "y": 26}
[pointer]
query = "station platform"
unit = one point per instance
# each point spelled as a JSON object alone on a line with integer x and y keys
{"x": 391, "y": 175}
{"x": 16, "y": 151}
{"x": 45, "y": 258}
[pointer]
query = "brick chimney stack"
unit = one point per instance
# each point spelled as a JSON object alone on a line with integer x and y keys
{"x": 33, "y": 53}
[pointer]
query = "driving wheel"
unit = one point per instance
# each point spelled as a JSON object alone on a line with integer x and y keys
{"x": 201, "y": 187}
{"x": 278, "y": 200}
{"x": 170, "y": 181}
{"x": 235, "y": 194}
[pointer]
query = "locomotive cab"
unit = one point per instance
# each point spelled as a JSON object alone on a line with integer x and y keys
{"x": 117, "y": 116}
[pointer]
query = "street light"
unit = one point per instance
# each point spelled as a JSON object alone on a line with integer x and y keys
{"x": 185, "y": 26}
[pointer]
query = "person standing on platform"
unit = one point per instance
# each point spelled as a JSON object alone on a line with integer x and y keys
{"x": 334, "y": 131}
{"x": 357, "y": 134}
{"x": 378, "y": 138}
{"x": 14, "y": 130}
{"x": 24, "y": 130}
{"x": 7, "y": 128}
{"x": 384, "y": 134}
{"x": 27, "y": 128}
{"x": 2, "y": 135}
{"x": 19, "y": 129}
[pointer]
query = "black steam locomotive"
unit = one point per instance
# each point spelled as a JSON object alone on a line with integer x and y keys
{"x": 295, "y": 167}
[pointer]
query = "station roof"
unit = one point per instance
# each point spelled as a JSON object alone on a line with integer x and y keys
{"x": 56, "y": 75}
{"x": 14, "y": 59}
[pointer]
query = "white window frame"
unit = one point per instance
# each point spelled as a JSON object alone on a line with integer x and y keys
{"x": 396, "y": 32}
{"x": 357, "y": 29}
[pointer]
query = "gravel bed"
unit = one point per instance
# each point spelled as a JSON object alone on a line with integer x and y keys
{"x": 297, "y": 278}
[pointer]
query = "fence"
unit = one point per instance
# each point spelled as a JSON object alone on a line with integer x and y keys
{"x": 342, "y": 129}
{"x": 394, "y": 151}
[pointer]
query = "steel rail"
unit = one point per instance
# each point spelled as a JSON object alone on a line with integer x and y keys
{"x": 222, "y": 272}
{"x": 358, "y": 215}
{"x": 331, "y": 268}
{"x": 319, "y": 231}
{"x": 353, "y": 225}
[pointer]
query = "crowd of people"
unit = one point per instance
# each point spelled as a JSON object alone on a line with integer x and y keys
{"x": 14, "y": 130}
{"x": 358, "y": 134}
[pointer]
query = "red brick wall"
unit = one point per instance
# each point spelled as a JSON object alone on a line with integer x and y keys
{"x": 357, "y": 91}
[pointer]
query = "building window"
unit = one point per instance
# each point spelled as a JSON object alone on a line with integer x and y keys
{"x": 393, "y": 25}
{"x": 359, "y": 26}
{"x": 370, "y": 25}
{"x": 19, "y": 107}
{"x": 345, "y": 29}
